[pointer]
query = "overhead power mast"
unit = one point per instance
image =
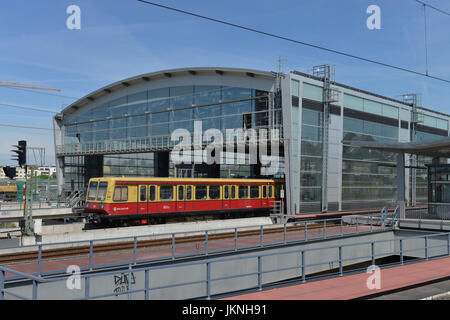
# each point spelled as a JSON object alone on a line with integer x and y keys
{"x": 326, "y": 74}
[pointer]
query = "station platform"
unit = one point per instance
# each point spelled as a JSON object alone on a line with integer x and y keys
{"x": 355, "y": 286}
{"x": 323, "y": 215}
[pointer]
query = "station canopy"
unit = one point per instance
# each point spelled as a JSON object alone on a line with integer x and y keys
{"x": 431, "y": 148}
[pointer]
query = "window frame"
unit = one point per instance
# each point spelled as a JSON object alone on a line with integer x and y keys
{"x": 145, "y": 193}
{"x": 89, "y": 198}
{"x": 166, "y": 186}
{"x": 98, "y": 191}
{"x": 239, "y": 192}
{"x": 121, "y": 193}
{"x": 209, "y": 192}
{"x": 206, "y": 192}
{"x": 250, "y": 192}
{"x": 149, "y": 193}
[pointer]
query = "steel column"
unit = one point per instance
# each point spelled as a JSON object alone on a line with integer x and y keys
{"x": 147, "y": 285}
{"x": 86, "y": 287}
{"x": 91, "y": 254}
{"x": 39, "y": 259}
{"x": 372, "y": 247}
{"x": 208, "y": 280}
{"x": 206, "y": 242}
{"x": 35, "y": 290}
{"x": 173, "y": 246}
{"x": 2, "y": 284}
{"x": 259, "y": 274}
{"x": 135, "y": 250}
{"x": 401, "y": 251}
{"x": 303, "y": 267}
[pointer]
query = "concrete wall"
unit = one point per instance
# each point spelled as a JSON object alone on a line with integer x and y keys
{"x": 149, "y": 230}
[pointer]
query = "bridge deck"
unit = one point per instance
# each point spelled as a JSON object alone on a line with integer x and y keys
{"x": 355, "y": 286}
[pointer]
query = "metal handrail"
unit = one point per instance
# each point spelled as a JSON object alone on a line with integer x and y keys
{"x": 174, "y": 245}
{"x": 209, "y": 263}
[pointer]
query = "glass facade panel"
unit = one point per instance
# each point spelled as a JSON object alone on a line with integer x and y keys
{"x": 389, "y": 111}
{"x": 371, "y": 171}
{"x": 373, "y": 107}
{"x": 370, "y": 106}
{"x": 295, "y": 88}
{"x": 312, "y": 92}
{"x": 207, "y": 94}
{"x": 353, "y": 102}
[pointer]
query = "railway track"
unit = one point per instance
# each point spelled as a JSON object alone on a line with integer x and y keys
{"x": 129, "y": 245}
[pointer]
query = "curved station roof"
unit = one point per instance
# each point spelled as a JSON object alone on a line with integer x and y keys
{"x": 163, "y": 74}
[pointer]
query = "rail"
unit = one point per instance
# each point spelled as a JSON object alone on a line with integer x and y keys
{"x": 174, "y": 245}
{"x": 257, "y": 284}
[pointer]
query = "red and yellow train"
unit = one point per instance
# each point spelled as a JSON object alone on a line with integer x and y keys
{"x": 156, "y": 199}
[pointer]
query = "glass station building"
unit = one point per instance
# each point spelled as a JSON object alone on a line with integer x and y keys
{"x": 124, "y": 129}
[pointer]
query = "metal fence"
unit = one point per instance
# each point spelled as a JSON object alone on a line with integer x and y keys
{"x": 430, "y": 211}
{"x": 173, "y": 246}
{"x": 428, "y": 247}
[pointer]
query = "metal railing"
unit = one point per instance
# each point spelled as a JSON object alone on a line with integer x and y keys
{"x": 429, "y": 250}
{"x": 152, "y": 143}
{"x": 76, "y": 199}
{"x": 429, "y": 211}
{"x": 175, "y": 246}
{"x": 17, "y": 206}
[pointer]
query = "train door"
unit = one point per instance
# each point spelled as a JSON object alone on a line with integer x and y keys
{"x": 152, "y": 201}
{"x": 265, "y": 201}
{"x": 227, "y": 197}
{"x": 188, "y": 197}
{"x": 180, "y": 198}
{"x": 142, "y": 200}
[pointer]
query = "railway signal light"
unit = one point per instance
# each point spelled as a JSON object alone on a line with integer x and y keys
{"x": 21, "y": 152}
{"x": 10, "y": 172}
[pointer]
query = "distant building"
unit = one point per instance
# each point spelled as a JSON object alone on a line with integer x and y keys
{"x": 45, "y": 171}
{"x": 39, "y": 171}
{"x": 20, "y": 174}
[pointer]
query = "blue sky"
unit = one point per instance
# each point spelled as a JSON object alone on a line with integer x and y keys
{"x": 123, "y": 38}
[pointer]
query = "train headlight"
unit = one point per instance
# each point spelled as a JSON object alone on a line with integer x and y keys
{"x": 87, "y": 205}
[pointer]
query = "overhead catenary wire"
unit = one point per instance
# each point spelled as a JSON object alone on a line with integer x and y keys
{"x": 297, "y": 41}
{"x": 26, "y": 107}
{"x": 38, "y": 92}
{"x": 432, "y": 7}
{"x": 22, "y": 126}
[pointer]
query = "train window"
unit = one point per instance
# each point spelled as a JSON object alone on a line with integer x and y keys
{"x": 200, "y": 192}
{"x": 92, "y": 190}
{"x": 243, "y": 192}
{"x": 180, "y": 193}
{"x": 152, "y": 193}
{"x": 233, "y": 192}
{"x": 254, "y": 192}
{"x": 166, "y": 193}
{"x": 143, "y": 193}
{"x": 120, "y": 193}
{"x": 270, "y": 191}
{"x": 225, "y": 192}
{"x": 101, "y": 194}
{"x": 188, "y": 192}
{"x": 264, "y": 191}
{"x": 214, "y": 192}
